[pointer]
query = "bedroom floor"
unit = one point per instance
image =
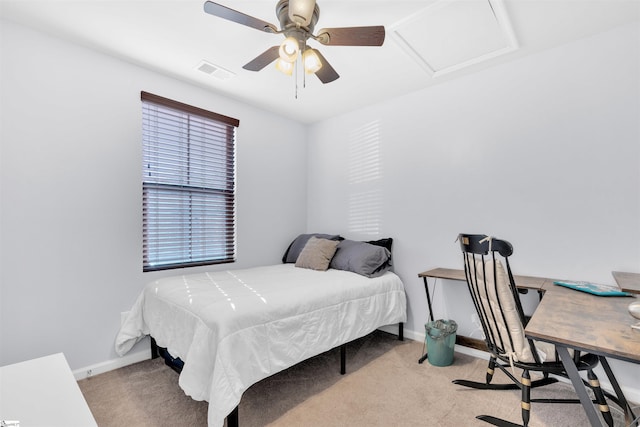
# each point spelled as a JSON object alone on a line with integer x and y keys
{"x": 384, "y": 386}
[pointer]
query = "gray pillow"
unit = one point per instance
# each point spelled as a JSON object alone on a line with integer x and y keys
{"x": 362, "y": 258}
{"x": 317, "y": 254}
{"x": 294, "y": 249}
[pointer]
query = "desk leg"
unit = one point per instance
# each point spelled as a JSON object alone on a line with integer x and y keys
{"x": 578, "y": 385}
{"x": 426, "y": 289}
{"x": 628, "y": 412}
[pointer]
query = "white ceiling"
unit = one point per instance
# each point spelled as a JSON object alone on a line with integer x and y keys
{"x": 174, "y": 37}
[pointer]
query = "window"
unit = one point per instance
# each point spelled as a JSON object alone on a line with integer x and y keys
{"x": 188, "y": 185}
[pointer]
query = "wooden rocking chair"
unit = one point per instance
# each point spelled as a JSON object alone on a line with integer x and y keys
{"x": 497, "y": 303}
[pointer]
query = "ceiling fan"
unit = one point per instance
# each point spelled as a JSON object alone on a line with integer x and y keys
{"x": 297, "y": 22}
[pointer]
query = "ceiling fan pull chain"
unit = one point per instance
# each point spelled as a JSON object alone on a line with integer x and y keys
{"x": 301, "y": 57}
{"x": 295, "y": 70}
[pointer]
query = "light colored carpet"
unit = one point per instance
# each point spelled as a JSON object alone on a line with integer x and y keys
{"x": 384, "y": 386}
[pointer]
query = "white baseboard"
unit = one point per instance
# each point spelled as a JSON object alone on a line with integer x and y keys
{"x": 110, "y": 365}
{"x": 632, "y": 394}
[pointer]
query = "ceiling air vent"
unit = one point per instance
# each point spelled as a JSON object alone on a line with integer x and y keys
{"x": 214, "y": 70}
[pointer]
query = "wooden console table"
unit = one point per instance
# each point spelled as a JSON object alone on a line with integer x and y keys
{"x": 523, "y": 282}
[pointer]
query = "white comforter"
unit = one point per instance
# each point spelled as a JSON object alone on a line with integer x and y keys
{"x": 234, "y": 328}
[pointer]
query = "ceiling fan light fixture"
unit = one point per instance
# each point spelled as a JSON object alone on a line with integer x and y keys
{"x": 301, "y": 11}
{"x": 289, "y": 49}
{"x": 311, "y": 61}
{"x": 284, "y": 66}
{"x": 298, "y": 19}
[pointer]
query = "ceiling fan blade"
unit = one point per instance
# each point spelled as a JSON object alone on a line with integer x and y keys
{"x": 264, "y": 59}
{"x": 326, "y": 74}
{"x": 352, "y": 36}
{"x": 238, "y": 17}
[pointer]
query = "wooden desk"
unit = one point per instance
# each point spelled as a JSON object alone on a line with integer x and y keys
{"x": 629, "y": 282}
{"x": 577, "y": 320}
{"x": 598, "y": 325}
{"x": 43, "y": 392}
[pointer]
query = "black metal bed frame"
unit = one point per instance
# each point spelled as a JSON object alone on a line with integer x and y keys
{"x": 233, "y": 418}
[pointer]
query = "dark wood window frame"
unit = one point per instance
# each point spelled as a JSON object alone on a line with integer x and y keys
{"x": 188, "y": 185}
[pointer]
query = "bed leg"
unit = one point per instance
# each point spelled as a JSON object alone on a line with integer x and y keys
{"x": 154, "y": 348}
{"x": 401, "y": 331}
{"x": 343, "y": 359}
{"x": 232, "y": 418}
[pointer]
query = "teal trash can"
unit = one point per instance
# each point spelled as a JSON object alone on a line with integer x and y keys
{"x": 440, "y": 338}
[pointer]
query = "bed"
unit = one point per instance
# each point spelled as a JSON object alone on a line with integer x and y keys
{"x": 234, "y": 328}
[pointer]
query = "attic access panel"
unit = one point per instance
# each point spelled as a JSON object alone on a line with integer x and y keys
{"x": 452, "y": 34}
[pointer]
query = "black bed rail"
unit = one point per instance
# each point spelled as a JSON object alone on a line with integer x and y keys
{"x": 232, "y": 419}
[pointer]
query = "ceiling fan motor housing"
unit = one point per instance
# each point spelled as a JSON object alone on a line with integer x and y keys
{"x": 293, "y": 29}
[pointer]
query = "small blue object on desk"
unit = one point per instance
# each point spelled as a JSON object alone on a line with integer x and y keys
{"x": 592, "y": 288}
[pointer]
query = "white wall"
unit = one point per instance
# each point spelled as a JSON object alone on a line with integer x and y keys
{"x": 543, "y": 151}
{"x": 71, "y": 228}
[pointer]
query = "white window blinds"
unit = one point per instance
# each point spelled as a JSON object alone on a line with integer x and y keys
{"x": 188, "y": 185}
